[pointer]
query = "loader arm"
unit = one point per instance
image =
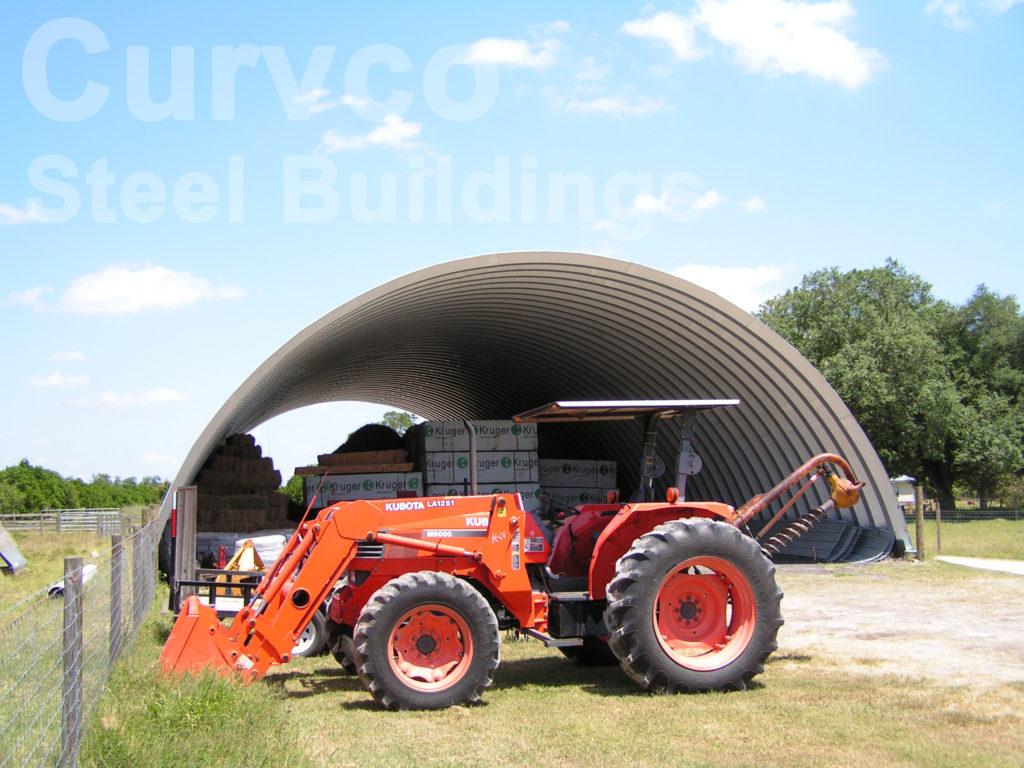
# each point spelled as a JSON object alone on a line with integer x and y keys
{"x": 264, "y": 632}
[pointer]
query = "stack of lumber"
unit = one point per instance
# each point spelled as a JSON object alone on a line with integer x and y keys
{"x": 237, "y": 489}
{"x": 358, "y": 463}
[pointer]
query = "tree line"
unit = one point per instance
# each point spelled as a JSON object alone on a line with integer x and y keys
{"x": 937, "y": 387}
{"x": 27, "y": 488}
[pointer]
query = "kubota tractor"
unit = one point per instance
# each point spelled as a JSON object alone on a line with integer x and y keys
{"x": 676, "y": 591}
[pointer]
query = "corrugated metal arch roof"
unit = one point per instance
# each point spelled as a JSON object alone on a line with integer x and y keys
{"x": 490, "y": 336}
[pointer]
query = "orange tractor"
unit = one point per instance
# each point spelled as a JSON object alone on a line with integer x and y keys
{"x": 677, "y": 592}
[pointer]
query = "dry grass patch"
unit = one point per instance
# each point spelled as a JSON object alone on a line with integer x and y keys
{"x": 545, "y": 711}
{"x": 45, "y": 553}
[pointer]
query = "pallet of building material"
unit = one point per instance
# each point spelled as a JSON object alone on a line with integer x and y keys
{"x": 396, "y": 456}
{"x": 354, "y": 469}
{"x": 369, "y": 469}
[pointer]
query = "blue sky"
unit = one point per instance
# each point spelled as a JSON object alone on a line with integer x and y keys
{"x": 183, "y": 191}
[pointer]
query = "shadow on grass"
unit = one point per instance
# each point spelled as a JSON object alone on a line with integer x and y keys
{"x": 608, "y": 680}
{"x": 792, "y": 657}
{"x": 557, "y": 672}
{"x": 313, "y": 682}
{"x": 160, "y": 630}
{"x": 549, "y": 673}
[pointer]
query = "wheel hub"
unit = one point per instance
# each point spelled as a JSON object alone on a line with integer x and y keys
{"x": 430, "y": 647}
{"x": 426, "y": 644}
{"x": 690, "y": 610}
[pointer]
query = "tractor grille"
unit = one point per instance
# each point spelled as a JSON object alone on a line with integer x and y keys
{"x": 373, "y": 550}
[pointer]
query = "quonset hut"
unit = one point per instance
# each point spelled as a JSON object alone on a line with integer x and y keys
{"x": 492, "y": 336}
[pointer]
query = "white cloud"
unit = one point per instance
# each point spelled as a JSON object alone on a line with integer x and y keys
{"x": 1001, "y": 6}
{"x": 30, "y": 297}
{"x": 11, "y": 215}
{"x": 707, "y": 201}
{"x": 76, "y": 356}
{"x": 952, "y": 13}
{"x": 773, "y": 37}
{"x": 649, "y": 203}
{"x": 319, "y": 101}
{"x": 589, "y": 71}
{"x": 754, "y": 204}
{"x": 637, "y": 106}
{"x": 121, "y": 289}
{"x": 57, "y": 380}
{"x": 513, "y": 53}
{"x": 393, "y": 132}
{"x": 153, "y": 397}
{"x": 746, "y": 287}
{"x": 777, "y": 37}
{"x": 559, "y": 27}
{"x": 670, "y": 29}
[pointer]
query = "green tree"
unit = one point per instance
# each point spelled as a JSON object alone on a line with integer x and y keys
{"x": 935, "y": 387}
{"x": 399, "y": 421}
{"x": 985, "y": 340}
{"x": 26, "y": 488}
{"x": 293, "y": 489}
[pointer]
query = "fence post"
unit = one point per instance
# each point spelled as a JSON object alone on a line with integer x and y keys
{"x": 116, "y": 622}
{"x": 185, "y": 543}
{"x": 938, "y": 529}
{"x": 71, "y": 692}
{"x": 919, "y": 519}
{"x": 137, "y": 608}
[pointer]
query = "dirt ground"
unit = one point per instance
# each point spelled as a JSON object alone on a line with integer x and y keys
{"x": 967, "y": 631}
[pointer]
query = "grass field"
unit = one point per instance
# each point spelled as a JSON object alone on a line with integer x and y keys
{"x": 808, "y": 709}
{"x": 545, "y": 711}
{"x": 1000, "y": 539}
{"x": 45, "y": 553}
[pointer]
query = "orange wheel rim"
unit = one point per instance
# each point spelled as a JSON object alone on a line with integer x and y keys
{"x": 705, "y": 613}
{"x": 430, "y": 648}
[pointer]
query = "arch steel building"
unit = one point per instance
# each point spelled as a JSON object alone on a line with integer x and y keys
{"x": 491, "y": 336}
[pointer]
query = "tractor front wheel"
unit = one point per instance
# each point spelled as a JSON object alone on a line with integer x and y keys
{"x": 426, "y": 641}
{"x": 693, "y": 607}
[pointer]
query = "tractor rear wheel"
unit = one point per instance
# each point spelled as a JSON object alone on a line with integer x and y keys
{"x": 693, "y": 607}
{"x": 426, "y": 641}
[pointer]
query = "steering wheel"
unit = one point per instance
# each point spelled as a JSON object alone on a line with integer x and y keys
{"x": 567, "y": 510}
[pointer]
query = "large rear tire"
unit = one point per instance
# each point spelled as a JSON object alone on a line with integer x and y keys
{"x": 426, "y": 641}
{"x": 693, "y": 607}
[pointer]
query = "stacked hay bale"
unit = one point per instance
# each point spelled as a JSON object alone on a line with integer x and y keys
{"x": 237, "y": 489}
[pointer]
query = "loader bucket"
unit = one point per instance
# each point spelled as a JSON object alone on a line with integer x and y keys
{"x": 197, "y": 641}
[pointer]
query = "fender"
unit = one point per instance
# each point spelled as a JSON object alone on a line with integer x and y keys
{"x": 633, "y": 521}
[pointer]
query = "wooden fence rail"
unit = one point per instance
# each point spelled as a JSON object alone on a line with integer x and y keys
{"x": 103, "y": 522}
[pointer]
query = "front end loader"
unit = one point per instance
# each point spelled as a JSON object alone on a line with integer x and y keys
{"x": 677, "y": 592}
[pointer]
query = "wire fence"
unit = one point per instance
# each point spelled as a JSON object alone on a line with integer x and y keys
{"x": 963, "y": 514}
{"x": 102, "y": 522}
{"x": 57, "y": 649}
